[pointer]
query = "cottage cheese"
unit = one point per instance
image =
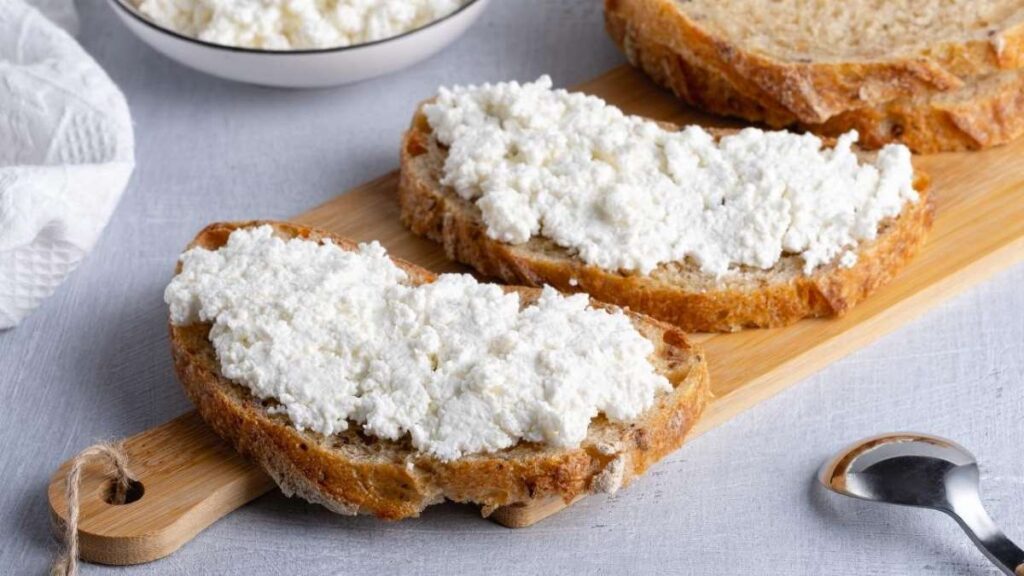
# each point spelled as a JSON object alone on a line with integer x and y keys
{"x": 294, "y": 24}
{"x": 338, "y": 337}
{"x": 625, "y": 194}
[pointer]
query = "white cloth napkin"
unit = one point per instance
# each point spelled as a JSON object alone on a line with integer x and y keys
{"x": 66, "y": 153}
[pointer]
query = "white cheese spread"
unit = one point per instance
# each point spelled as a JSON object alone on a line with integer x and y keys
{"x": 340, "y": 337}
{"x": 294, "y": 24}
{"x": 624, "y": 194}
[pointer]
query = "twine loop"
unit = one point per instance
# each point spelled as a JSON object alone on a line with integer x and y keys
{"x": 116, "y": 462}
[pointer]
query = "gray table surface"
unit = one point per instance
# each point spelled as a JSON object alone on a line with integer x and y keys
{"x": 92, "y": 363}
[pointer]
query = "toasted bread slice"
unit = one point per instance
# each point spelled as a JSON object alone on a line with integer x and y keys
{"x": 353, "y": 473}
{"x": 818, "y": 59}
{"x": 985, "y": 112}
{"x": 675, "y": 292}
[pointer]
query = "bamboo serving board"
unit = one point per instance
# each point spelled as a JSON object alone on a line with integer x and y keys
{"x": 191, "y": 478}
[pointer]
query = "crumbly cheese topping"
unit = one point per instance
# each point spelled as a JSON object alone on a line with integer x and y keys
{"x": 294, "y": 24}
{"x": 340, "y": 336}
{"x": 625, "y": 194}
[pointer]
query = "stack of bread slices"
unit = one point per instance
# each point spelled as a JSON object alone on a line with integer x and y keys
{"x": 933, "y": 75}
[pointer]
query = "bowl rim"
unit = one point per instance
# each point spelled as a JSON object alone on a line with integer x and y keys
{"x": 127, "y": 8}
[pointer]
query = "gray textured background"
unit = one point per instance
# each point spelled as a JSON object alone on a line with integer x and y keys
{"x": 93, "y": 363}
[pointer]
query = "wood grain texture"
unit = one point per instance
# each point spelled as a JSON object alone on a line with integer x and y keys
{"x": 978, "y": 230}
{"x": 190, "y": 478}
{"x": 526, "y": 515}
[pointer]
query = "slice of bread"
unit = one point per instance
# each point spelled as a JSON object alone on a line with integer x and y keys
{"x": 675, "y": 292}
{"x": 987, "y": 112}
{"x": 984, "y": 112}
{"x": 817, "y": 59}
{"x": 353, "y": 473}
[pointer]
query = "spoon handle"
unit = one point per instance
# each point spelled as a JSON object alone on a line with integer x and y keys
{"x": 1000, "y": 550}
{"x": 976, "y": 522}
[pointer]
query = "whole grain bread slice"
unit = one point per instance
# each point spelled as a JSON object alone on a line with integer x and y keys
{"x": 984, "y": 112}
{"x": 817, "y": 59}
{"x": 675, "y": 292}
{"x": 353, "y": 473}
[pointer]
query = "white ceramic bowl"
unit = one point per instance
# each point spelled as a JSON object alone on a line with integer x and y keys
{"x": 303, "y": 68}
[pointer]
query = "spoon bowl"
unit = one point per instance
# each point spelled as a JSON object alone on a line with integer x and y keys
{"x": 911, "y": 469}
{"x": 905, "y": 469}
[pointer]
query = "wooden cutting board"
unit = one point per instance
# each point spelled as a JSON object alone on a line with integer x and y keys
{"x": 191, "y": 478}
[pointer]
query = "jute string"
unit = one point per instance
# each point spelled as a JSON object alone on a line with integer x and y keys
{"x": 66, "y": 562}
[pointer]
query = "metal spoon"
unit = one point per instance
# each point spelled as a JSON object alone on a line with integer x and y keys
{"x": 925, "y": 471}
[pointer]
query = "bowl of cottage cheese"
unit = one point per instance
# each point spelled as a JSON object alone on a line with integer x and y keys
{"x": 298, "y": 43}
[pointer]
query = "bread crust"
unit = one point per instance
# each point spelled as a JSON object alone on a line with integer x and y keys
{"x": 350, "y": 473}
{"x": 936, "y": 123}
{"x": 814, "y": 91}
{"x": 761, "y": 299}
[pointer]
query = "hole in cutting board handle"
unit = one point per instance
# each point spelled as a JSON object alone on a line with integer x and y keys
{"x": 132, "y": 494}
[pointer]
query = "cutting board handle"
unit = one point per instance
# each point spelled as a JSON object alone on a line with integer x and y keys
{"x": 189, "y": 479}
